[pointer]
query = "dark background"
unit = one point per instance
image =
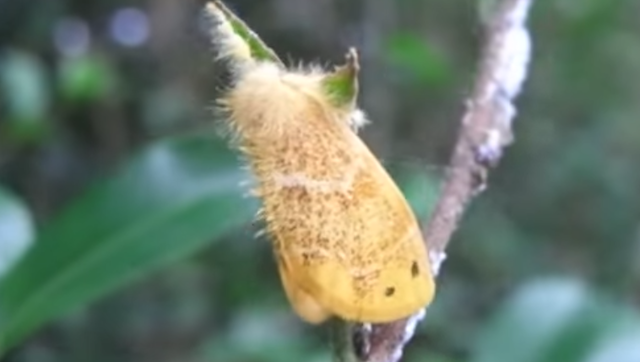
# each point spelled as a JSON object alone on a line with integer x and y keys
{"x": 545, "y": 266}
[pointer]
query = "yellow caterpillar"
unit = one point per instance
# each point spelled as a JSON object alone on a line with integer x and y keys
{"x": 346, "y": 241}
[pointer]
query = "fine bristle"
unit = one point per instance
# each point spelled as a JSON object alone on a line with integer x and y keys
{"x": 265, "y": 97}
{"x": 357, "y": 119}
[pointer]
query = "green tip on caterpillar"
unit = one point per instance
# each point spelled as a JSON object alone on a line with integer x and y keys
{"x": 342, "y": 85}
{"x": 236, "y": 40}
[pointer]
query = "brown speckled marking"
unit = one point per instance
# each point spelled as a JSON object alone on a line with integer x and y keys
{"x": 415, "y": 270}
{"x": 389, "y": 291}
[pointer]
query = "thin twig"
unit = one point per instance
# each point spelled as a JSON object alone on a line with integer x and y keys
{"x": 484, "y": 133}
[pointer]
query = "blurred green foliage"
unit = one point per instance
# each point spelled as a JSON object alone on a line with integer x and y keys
{"x": 27, "y": 101}
{"x": 422, "y": 64}
{"x": 168, "y": 203}
{"x": 85, "y": 79}
{"x": 16, "y": 229}
{"x": 560, "y": 320}
{"x": 143, "y": 243}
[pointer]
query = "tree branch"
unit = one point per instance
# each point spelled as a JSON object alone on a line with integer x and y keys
{"x": 484, "y": 133}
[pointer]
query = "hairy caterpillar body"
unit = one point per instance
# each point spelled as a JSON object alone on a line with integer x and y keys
{"x": 346, "y": 241}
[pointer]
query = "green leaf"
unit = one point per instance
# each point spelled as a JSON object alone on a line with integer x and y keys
{"x": 16, "y": 230}
{"x": 553, "y": 320}
{"x": 167, "y": 203}
{"x": 342, "y": 85}
{"x": 259, "y": 50}
{"x": 620, "y": 347}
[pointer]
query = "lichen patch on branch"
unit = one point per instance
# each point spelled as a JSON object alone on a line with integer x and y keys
{"x": 486, "y": 129}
